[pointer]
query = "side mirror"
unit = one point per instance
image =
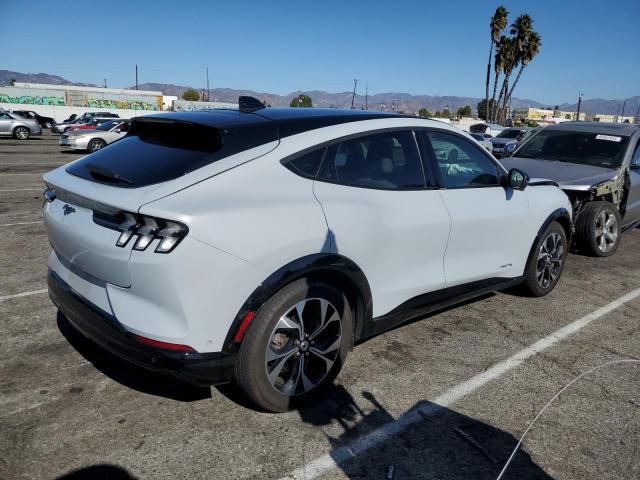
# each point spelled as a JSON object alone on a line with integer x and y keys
{"x": 117, "y": 130}
{"x": 517, "y": 179}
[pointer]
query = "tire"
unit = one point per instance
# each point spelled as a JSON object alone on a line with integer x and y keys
{"x": 21, "y": 133}
{"x": 275, "y": 385}
{"x": 65, "y": 129}
{"x": 546, "y": 261}
{"x": 96, "y": 144}
{"x": 47, "y": 125}
{"x": 599, "y": 229}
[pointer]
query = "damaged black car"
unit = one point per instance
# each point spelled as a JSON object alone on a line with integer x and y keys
{"x": 598, "y": 167}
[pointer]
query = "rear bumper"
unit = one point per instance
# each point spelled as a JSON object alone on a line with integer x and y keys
{"x": 105, "y": 330}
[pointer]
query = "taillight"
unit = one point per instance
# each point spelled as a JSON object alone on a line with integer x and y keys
{"x": 144, "y": 230}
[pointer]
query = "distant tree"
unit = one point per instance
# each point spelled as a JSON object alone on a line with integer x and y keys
{"x": 482, "y": 109}
{"x": 446, "y": 113}
{"x": 464, "y": 111}
{"x": 12, "y": 82}
{"x": 301, "y": 100}
{"x": 191, "y": 95}
{"x": 424, "y": 113}
{"x": 438, "y": 114}
{"x": 497, "y": 25}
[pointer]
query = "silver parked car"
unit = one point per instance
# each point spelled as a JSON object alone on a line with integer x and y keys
{"x": 598, "y": 167}
{"x": 64, "y": 126}
{"x": 93, "y": 140}
{"x": 14, "y": 125}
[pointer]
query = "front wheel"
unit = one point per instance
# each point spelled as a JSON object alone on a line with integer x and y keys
{"x": 21, "y": 133}
{"x": 296, "y": 345}
{"x": 96, "y": 144}
{"x": 546, "y": 261}
{"x": 599, "y": 228}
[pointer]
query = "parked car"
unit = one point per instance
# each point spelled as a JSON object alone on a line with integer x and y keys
{"x": 44, "y": 122}
{"x": 93, "y": 140}
{"x": 505, "y": 143}
{"x": 100, "y": 114}
{"x": 598, "y": 167}
{"x": 482, "y": 140}
{"x": 64, "y": 126}
{"x": 491, "y": 129}
{"x": 90, "y": 124}
{"x": 17, "y": 126}
{"x": 258, "y": 245}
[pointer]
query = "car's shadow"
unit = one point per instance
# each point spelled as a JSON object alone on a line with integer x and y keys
{"x": 441, "y": 443}
{"x": 128, "y": 374}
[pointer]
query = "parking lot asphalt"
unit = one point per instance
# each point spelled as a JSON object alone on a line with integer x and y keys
{"x": 66, "y": 406}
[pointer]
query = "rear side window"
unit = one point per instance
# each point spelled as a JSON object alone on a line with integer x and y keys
{"x": 307, "y": 164}
{"x": 462, "y": 163}
{"x": 388, "y": 161}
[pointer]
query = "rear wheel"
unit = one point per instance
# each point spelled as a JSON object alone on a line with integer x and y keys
{"x": 296, "y": 345}
{"x": 599, "y": 228}
{"x": 546, "y": 261}
{"x": 96, "y": 144}
{"x": 21, "y": 133}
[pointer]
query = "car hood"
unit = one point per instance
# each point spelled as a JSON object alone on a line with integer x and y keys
{"x": 570, "y": 176}
{"x": 502, "y": 141}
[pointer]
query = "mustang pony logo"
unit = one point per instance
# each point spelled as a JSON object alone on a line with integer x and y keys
{"x": 67, "y": 209}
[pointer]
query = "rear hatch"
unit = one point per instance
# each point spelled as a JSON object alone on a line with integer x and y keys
{"x": 89, "y": 199}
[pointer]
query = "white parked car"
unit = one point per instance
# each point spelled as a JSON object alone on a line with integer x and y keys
{"x": 259, "y": 245}
{"x": 482, "y": 140}
{"x": 93, "y": 140}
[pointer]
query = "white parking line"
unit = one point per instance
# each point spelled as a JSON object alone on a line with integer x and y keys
{"x": 19, "y": 223}
{"x": 23, "y": 294}
{"x": 329, "y": 461}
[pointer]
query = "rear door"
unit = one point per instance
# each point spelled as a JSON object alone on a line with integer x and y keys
{"x": 5, "y": 124}
{"x": 382, "y": 215}
{"x": 489, "y": 235}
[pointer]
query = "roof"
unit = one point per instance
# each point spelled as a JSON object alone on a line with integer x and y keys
{"x": 287, "y": 121}
{"x": 597, "y": 127}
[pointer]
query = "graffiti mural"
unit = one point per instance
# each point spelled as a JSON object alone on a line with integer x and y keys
{"x": 32, "y": 100}
{"x": 126, "y": 104}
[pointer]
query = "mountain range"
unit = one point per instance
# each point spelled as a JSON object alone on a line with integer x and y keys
{"x": 381, "y": 101}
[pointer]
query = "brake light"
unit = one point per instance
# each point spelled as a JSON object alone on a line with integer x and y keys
{"x": 146, "y": 229}
{"x": 174, "y": 347}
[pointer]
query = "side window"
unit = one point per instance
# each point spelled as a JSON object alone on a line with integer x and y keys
{"x": 462, "y": 164}
{"x": 308, "y": 164}
{"x": 386, "y": 160}
{"x": 123, "y": 127}
{"x": 4, "y": 116}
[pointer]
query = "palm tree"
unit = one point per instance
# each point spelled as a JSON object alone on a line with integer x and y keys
{"x": 510, "y": 60}
{"x": 520, "y": 31}
{"x": 498, "y": 67}
{"x": 529, "y": 52}
{"x": 497, "y": 25}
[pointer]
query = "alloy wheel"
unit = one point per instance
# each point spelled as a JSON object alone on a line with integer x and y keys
{"x": 550, "y": 257}
{"x": 606, "y": 231}
{"x": 303, "y": 346}
{"x": 22, "y": 133}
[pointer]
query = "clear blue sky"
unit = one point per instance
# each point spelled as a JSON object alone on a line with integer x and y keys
{"x": 419, "y": 47}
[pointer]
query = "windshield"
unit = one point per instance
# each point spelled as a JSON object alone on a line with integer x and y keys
{"x": 106, "y": 126}
{"x": 585, "y": 148}
{"x": 510, "y": 133}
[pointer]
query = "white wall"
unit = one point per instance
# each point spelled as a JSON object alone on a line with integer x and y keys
{"x": 62, "y": 113}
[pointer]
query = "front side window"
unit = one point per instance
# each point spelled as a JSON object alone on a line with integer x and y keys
{"x": 461, "y": 163}
{"x": 388, "y": 160}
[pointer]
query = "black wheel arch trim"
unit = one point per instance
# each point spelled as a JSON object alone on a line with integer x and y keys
{"x": 318, "y": 264}
{"x": 564, "y": 217}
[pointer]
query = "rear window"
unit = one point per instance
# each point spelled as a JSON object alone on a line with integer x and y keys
{"x": 161, "y": 149}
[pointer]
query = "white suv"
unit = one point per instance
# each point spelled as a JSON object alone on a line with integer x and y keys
{"x": 259, "y": 245}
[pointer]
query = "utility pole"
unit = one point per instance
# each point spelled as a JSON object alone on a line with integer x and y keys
{"x": 208, "y": 92}
{"x": 366, "y": 96}
{"x": 579, "y": 103}
{"x": 105, "y": 83}
{"x": 637, "y": 113}
{"x": 136, "y": 76}
{"x": 623, "y": 105}
{"x": 353, "y": 97}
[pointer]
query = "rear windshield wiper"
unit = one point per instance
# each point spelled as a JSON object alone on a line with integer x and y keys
{"x": 104, "y": 174}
